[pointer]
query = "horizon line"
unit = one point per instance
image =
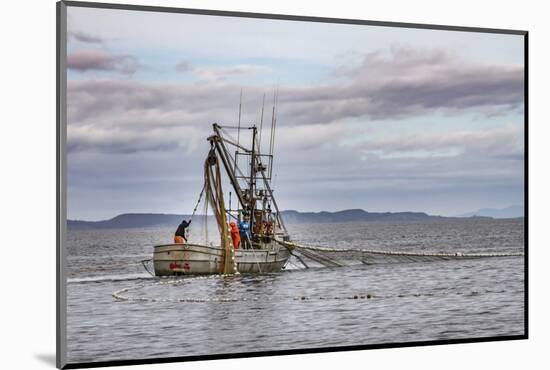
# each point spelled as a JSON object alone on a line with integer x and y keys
{"x": 293, "y": 210}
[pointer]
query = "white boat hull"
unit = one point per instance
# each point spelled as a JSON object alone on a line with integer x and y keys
{"x": 195, "y": 259}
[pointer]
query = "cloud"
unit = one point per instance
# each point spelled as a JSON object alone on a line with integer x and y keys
{"x": 397, "y": 83}
{"x": 406, "y": 82}
{"x": 184, "y": 66}
{"x": 117, "y": 141}
{"x": 85, "y": 37}
{"x": 117, "y": 117}
{"x": 108, "y": 102}
{"x": 307, "y": 137}
{"x": 221, "y": 73}
{"x": 503, "y": 142}
{"x": 339, "y": 139}
{"x": 97, "y": 60}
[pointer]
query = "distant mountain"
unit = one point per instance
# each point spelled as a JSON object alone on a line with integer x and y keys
{"x": 143, "y": 220}
{"x": 353, "y": 215}
{"x": 508, "y": 212}
{"x": 130, "y": 220}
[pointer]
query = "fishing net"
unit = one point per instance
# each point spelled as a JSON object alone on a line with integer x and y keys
{"x": 214, "y": 197}
{"x": 333, "y": 257}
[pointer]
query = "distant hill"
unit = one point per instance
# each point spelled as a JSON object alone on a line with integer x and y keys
{"x": 130, "y": 220}
{"x": 143, "y": 220}
{"x": 508, "y": 212}
{"x": 353, "y": 215}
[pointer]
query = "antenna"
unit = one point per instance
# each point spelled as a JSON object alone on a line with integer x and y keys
{"x": 240, "y": 108}
{"x": 273, "y": 127}
{"x": 271, "y": 135}
{"x": 239, "y": 128}
{"x": 261, "y": 124}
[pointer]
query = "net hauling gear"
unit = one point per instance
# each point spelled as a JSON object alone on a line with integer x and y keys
{"x": 333, "y": 257}
{"x": 214, "y": 196}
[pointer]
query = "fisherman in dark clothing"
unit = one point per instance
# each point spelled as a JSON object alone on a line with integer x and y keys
{"x": 179, "y": 237}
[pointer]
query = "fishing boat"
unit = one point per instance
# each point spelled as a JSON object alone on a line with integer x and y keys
{"x": 262, "y": 229}
{"x": 265, "y": 245}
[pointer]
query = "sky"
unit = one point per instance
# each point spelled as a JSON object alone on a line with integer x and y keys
{"x": 379, "y": 118}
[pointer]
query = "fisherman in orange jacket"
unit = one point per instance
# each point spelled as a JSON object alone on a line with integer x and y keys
{"x": 179, "y": 237}
{"x": 235, "y": 235}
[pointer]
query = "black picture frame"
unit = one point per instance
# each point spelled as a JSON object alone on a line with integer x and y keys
{"x": 61, "y": 215}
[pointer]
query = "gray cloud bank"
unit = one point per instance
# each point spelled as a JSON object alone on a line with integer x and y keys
{"x": 404, "y": 82}
{"x": 218, "y": 74}
{"x": 396, "y": 84}
{"x": 85, "y": 37}
{"x": 133, "y": 128}
{"x": 99, "y": 60}
{"x": 499, "y": 142}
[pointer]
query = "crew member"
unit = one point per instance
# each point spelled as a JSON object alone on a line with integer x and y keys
{"x": 179, "y": 237}
{"x": 235, "y": 235}
{"x": 244, "y": 231}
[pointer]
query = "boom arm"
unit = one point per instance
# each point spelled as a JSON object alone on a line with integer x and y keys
{"x": 220, "y": 148}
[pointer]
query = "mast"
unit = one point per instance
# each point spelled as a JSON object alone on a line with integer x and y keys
{"x": 247, "y": 187}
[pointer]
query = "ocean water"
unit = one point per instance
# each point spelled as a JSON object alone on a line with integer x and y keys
{"x": 297, "y": 307}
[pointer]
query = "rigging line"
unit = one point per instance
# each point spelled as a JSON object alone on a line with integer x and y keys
{"x": 232, "y": 216}
{"x": 258, "y": 264}
{"x": 227, "y": 141}
{"x": 232, "y": 141}
{"x": 229, "y": 127}
{"x": 237, "y": 169}
{"x": 236, "y": 127}
{"x": 198, "y": 202}
{"x": 279, "y": 216}
{"x": 226, "y": 133}
{"x": 254, "y": 254}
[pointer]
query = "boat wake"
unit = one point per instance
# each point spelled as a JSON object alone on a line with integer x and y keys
{"x": 106, "y": 278}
